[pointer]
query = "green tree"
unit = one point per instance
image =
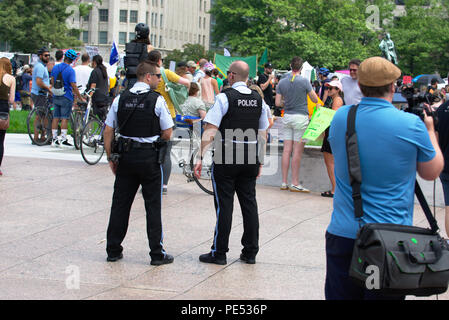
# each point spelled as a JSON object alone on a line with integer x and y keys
{"x": 30, "y": 24}
{"x": 190, "y": 51}
{"x": 324, "y": 32}
{"x": 421, "y": 37}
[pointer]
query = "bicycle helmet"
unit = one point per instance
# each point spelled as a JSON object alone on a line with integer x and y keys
{"x": 142, "y": 31}
{"x": 71, "y": 54}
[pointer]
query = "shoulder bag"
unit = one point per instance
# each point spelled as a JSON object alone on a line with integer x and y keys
{"x": 4, "y": 120}
{"x": 409, "y": 260}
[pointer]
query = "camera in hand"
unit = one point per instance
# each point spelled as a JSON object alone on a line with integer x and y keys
{"x": 416, "y": 101}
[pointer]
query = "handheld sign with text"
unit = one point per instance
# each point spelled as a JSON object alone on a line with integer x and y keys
{"x": 319, "y": 122}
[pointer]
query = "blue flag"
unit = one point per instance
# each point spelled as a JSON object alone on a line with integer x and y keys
{"x": 114, "y": 57}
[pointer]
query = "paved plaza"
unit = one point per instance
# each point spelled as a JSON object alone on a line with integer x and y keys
{"x": 54, "y": 215}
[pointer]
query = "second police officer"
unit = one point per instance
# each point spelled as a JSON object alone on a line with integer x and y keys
{"x": 142, "y": 119}
{"x": 238, "y": 123}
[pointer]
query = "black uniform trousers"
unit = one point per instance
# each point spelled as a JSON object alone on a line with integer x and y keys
{"x": 229, "y": 179}
{"x": 136, "y": 167}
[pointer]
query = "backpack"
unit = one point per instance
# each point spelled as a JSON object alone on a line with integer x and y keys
{"x": 58, "y": 87}
{"x": 177, "y": 92}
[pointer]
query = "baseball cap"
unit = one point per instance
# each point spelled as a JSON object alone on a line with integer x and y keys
{"x": 335, "y": 83}
{"x": 377, "y": 72}
{"x": 324, "y": 71}
{"x": 268, "y": 65}
{"x": 182, "y": 64}
{"x": 191, "y": 63}
{"x": 26, "y": 67}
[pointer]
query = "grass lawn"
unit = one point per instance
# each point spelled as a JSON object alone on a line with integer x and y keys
{"x": 18, "y": 121}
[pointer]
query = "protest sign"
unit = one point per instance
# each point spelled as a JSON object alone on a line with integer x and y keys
{"x": 321, "y": 119}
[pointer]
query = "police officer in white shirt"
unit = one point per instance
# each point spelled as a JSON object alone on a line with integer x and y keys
{"x": 237, "y": 122}
{"x": 141, "y": 116}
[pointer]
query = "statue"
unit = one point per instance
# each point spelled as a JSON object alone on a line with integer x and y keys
{"x": 388, "y": 51}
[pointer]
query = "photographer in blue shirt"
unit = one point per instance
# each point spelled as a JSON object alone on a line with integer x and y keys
{"x": 393, "y": 147}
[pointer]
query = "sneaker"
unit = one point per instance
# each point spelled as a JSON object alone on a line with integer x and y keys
{"x": 298, "y": 188}
{"x": 114, "y": 259}
{"x": 284, "y": 186}
{"x": 164, "y": 190}
{"x": 166, "y": 260}
{"x": 247, "y": 260}
{"x": 66, "y": 143}
{"x": 55, "y": 143}
{"x": 209, "y": 258}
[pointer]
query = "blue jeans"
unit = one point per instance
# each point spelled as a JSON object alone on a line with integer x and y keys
{"x": 62, "y": 107}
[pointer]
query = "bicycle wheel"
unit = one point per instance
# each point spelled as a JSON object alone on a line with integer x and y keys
{"x": 91, "y": 142}
{"x": 77, "y": 129}
{"x": 205, "y": 181}
{"x": 39, "y": 126}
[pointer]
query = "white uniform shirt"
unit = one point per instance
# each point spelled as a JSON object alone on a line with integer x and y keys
{"x": 221, "y": 106}
{"x": 161, "y": 110}
{"x": 82, "y": 73}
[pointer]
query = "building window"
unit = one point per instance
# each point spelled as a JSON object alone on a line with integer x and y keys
{"x": 86, "y": 18}
{"x": 204, "y": 40}
{"x": 104, "y": 15}
{"x": 205, "y": 6}
{"x": 199, "y": 39}
{"x": 131, "y": 36}
{"x": 103, "y": 37}
{"x": 124, "y": 16}
{"x": 161, "y": 20}
{"x": 133, "y": 16}
{"x": 147, "y": 18}
{"x": 201, "y": 4}
{"x": 199, "y": 22}
{"x": 204, "y": 23}
{"x": 122, "y": 38}
{"x": 85, "y": 36}
{"x": 160, "y": 41}
{"x": 162, "y": 3}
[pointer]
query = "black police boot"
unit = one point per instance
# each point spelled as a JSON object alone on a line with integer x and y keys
{"x": 209, "y": 258}
{"x": 166, "y": 260}
{"x": 114, "y": 259}
{"x": 246, "y": 259}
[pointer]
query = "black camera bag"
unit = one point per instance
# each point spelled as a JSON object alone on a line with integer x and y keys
{"x": 410, "y": 260}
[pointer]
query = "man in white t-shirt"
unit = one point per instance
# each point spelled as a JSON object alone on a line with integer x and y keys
{"x": 353, "y": 95}
{"x": 83, "y": 72}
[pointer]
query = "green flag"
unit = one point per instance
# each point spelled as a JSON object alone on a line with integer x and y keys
{"x": 262, "y": 61}
{"x": 222, "y": 63}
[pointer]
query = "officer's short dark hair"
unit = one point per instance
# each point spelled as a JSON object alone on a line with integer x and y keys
{"x": 144, "y": 68}
{"x": 296, "y": 63}
{"x": 433, "y": 81}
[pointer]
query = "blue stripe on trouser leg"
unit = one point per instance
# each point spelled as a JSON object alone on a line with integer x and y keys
{"x": 162, "y": 228}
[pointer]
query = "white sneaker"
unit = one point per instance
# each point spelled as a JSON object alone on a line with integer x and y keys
{"x": 55, "y": 142}
{"x": 66, "y": 144}
{"x": 298, "y": 188}
{"x": 284, "y": 186}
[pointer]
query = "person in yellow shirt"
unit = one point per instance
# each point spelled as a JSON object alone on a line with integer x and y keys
{"x": 156, "y": 57}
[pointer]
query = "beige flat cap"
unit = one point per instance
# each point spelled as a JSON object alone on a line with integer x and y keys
{"x": 377, "y": 72}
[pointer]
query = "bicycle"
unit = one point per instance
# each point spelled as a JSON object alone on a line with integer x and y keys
{"x": 82, "y": 114}
{"x": 91, "y": 140}
{"x": 39, "y": 125}
{"x": 187, "y": 156}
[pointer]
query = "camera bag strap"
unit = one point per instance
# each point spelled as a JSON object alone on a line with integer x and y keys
{"x": 355, "y": 173}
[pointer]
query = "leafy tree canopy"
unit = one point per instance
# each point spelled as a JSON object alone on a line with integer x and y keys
{"x": 30, "y": 24}
{"x": 332, "y": 32}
